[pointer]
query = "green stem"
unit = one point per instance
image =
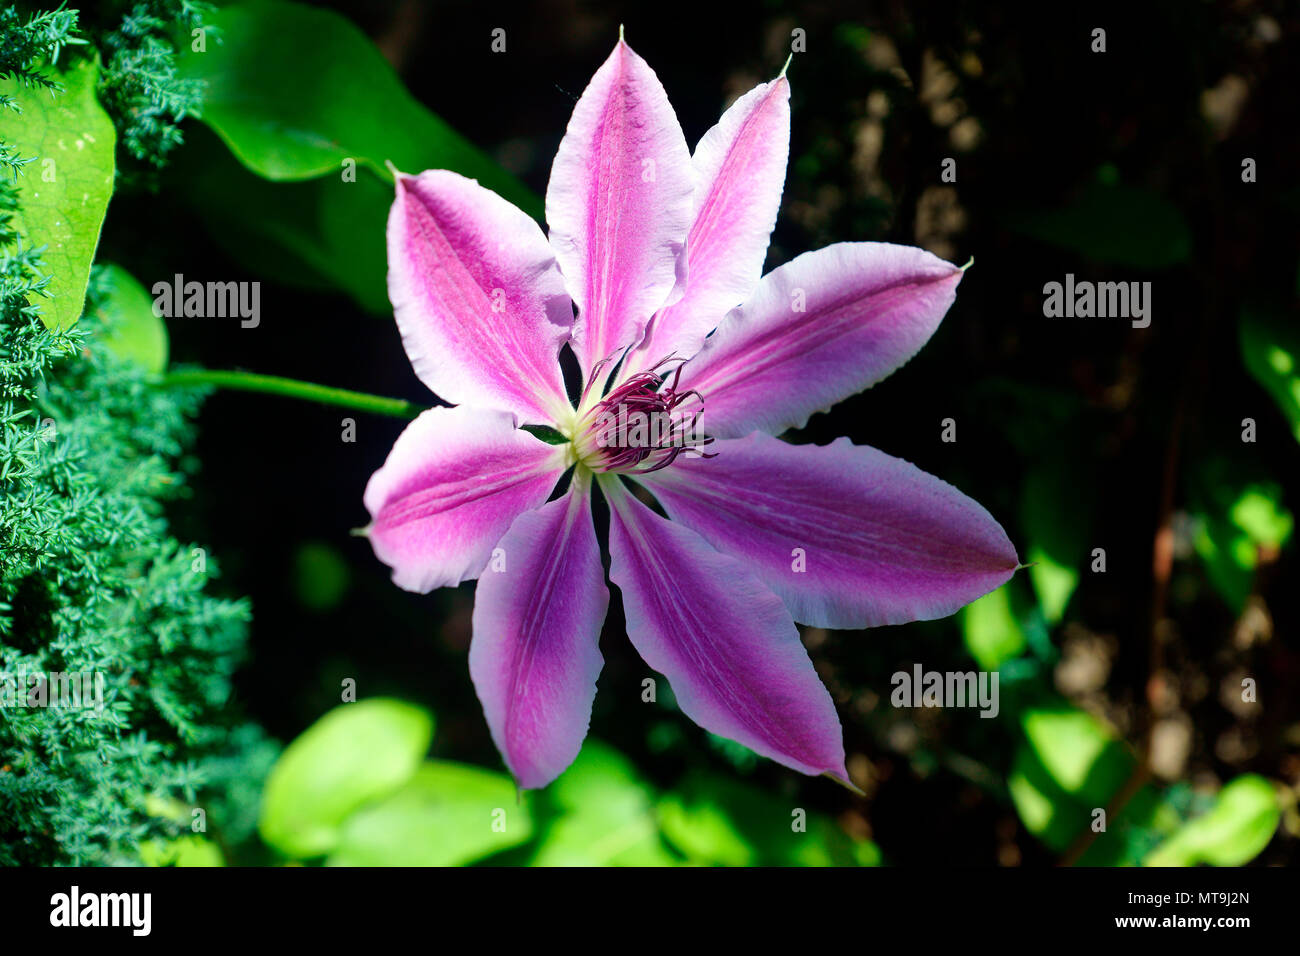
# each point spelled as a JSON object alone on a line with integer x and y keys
{"x": 292, "y": 388}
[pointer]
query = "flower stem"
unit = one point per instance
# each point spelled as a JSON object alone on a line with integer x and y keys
{"x": 292, "y": 388}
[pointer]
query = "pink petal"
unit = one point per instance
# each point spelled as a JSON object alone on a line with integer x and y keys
{"x": 478, "y": 297}
{"x": 619, "y": 204}
{"x": 739, "y": 173}
{"x": 726, "y": 644}
{"x": 867, "y": 308}
{"x": 454, "y": 481}
{"x": 537, "y": 619}
{"x": 879, "y": 541}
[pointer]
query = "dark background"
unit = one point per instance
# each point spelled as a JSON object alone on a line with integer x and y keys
{"x": 884, "y": 92}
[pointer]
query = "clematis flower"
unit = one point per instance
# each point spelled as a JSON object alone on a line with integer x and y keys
{"x": 652, "y": 276}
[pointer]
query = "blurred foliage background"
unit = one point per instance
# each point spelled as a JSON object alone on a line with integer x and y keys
{"x": 1121, "y": 669}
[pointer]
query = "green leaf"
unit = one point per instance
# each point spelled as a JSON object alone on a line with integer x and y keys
{"x": 188, "y": 850}
{"x": 320, "y": 234}
{"x": 447, "y": 814}
{"x": 991, "y": 631}
{"x": 1070, "y": 766}
{"x": 355, "y": 753}
{"x": 605, "y": 815}
{"x": 1057, "y": 536}
{"x": 1115, "y": 224}
{"x": 1270, "y": 347}
{"x": 64, "y": 193}
{"x": 131, "y": 328}
{"x": 334, "y": 100}
{"x": 717, "y": 821}
{"x": 1234, "y": 831}
{"x": 1237, "y": 513}
{"x": 321, "y": 575}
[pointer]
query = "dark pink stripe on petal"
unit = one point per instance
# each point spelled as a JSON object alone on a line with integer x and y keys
{"x": 725, "y": 642}
{"x": 454, "y": 481}
{"x": 619, "y": 204}
{"x": 739, "y": 175}
{"x": 818, "y": 329}
{"x": 537, "y": 618}
{"x": 847, "y": 535}
{"x": 478, "y": 297}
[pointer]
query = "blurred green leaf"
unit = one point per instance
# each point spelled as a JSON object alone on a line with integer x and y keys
{"x": 1117, "y": 224}
{"x": 717, "y": 821}
{"x": 991, "y": 631}
{"x": 605, "y": 815}
{"x": 355, "y": 753}
{"x": 1270, "y": 347}
{"x": 131, "y": 328}
{"x": 1070, "y": 766}
{"x": 321, "y": 576}
{"x": 447, "y": 814}
{"x": 64, "y": 193}
{"x": 1236, "y": 514}
{"x": 1057, "y": 532}
{"x": 1234, "y": 831}
{"x": 187, "y": 850}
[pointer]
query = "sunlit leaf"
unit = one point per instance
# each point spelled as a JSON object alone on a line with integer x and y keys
{"x": 1270, "y": 347}
{"x": 64, "y": 193}
{"x": 447, "y": 814}
{"x": 991, "y": 631}
{"x": 1070, "y": 767}
{"x": 1234, "y": 831}
{"x": 355, "y": 753}
{"x": 717, "y": 821}
{"x": 187, "y": 850}
{"x": 606, "y": 815}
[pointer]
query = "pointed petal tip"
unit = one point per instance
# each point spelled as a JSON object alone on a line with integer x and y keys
{"x": 781, "y": 75}
{"x": 842, "y": 778}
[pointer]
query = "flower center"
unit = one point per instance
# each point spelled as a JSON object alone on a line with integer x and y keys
{"x": 641, "y": 425}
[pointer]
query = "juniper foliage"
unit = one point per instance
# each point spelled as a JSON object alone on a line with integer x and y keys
{"x": 91, "y": 582}
{"x": 140, "y": 86}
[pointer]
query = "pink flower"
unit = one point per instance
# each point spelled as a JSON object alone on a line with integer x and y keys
{"x": 657, "y": 249}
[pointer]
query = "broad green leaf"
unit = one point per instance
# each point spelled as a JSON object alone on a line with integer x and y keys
{"x": 991, "y": 631}
{"x": 319, "y": 234}
{"x": 605, "y": 815}
{"x": 447, "y": 814}
{"x": 1117, "y": 224}
{"x": 131, "y": 328}
{"x": 188, "y": 850}
{"x": 1270, "y": 347}
{"x": 716, "y": 821}
{"x": 299, "y": 112}
{"x": 1234, "y": 831}
{"x": 64, "y": 193}
{"x": 354, "y": 754}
